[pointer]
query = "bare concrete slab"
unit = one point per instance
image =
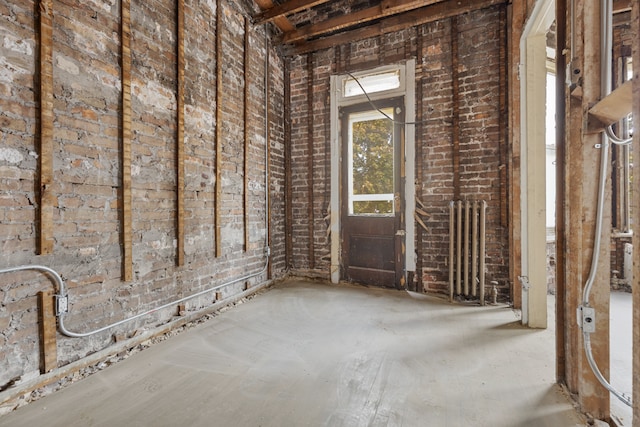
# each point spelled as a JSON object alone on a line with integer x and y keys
{"x": 312, "y": 354}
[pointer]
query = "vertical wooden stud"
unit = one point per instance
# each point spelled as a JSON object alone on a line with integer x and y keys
{"x": 310, "y": 149}
{"x": 247, "y": 139}
{"x": 218, "y": 197}
{"x": 502, "y": 120}
{"x": 47, "y": 324}
{"x": 45, "y": 211}
{"x": 287, "y": 165}
{"x": 419, "y": 152}
{"x": 561, "y": 104}
{"x": 127, "y": 263}
{"x": 635, "y": 147}
{"x": 267, "y": 93}
{"x": 455, "y": 125}
{"x": 180, "y": 138}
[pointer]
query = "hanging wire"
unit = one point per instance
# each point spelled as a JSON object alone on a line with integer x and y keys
{"x": 375, "y": 107}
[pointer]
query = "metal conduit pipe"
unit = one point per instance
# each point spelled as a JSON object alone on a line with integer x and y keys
{"x": 605, "y": 63}
{"x": 62, "y": 291}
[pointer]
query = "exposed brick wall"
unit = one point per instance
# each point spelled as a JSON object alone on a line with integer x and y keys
{"x": 87, "y": 184}
{"x": 480, "y": 134}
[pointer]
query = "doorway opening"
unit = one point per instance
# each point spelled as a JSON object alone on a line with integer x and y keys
{"x": 373, "y": 176}
{"x": 372, "y": 143}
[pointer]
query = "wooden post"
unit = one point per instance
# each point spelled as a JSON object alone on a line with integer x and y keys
{"x": 515, "y": 17}
{"x": 218, "y": 197}
{"x": 127, "y": 260}
{"x": 180, "y": 138}
{"x": 635, "y": 23}
{"x": 419, "y": 142}
{"x": 561, "y": 103}
{"x": 310, "y": 149}
{"x": 583, "y": 156}
{"x": 455, "y": 125}
{"x": 247, "y": 139}
{"x": 288, "y": 240}
{"x": 45, "y": 159}
{"x": 47, "y": 324}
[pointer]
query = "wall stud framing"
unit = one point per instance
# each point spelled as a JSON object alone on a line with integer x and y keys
{"x": 247, "y": 139}
{"x": 218, "y": 196}
{"x": 180, "y": 138}
{"x": 127, "y": 262}
{"x": 45, "y": 232}
{"x": 310, "y": 149}
{"x": 47, "y": 324}
{"x": 455, "y": 126}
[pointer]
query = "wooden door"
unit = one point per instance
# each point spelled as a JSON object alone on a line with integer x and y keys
{"x": 372, "y": 188}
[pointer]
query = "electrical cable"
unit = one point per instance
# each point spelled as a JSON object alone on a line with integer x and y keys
{"x": 375, "y": 107}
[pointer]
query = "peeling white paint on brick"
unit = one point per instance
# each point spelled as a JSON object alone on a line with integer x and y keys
{"x": 11, "y": 155}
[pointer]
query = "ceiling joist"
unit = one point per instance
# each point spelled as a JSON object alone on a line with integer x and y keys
{"x": 384, "y": 9}
{"x": 281, "y": 21}
{"x": 397, "y": 22}
{"x": 284, "y": 9}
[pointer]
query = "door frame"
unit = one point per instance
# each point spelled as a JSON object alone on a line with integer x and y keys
{"x": 406, "y": 89}
{"x": 533, "y": 243}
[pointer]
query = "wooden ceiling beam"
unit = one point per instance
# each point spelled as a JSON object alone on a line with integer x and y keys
{"x": 284, "y": 9}
{"x": 281, "y": 22}
{"x": 384, "y": 9}
{"x": 391, "y": 7}
{"x": 423, "y": 15}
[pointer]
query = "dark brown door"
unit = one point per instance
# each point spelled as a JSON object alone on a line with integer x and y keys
{"x": 372, "y": 206}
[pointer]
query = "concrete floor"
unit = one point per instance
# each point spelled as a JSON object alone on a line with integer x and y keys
{"x": 312, "y": 354}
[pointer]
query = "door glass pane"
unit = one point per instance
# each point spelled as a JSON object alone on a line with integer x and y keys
{"x": 371, "y": 161}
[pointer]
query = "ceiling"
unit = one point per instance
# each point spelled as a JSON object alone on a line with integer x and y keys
{"x": 310, "y": 25}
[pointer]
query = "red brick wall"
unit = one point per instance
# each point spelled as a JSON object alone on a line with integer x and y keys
{"x": 481, "y": 136}
{"x": 87, "y": 208}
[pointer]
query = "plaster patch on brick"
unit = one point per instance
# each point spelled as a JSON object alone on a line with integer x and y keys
{"x": 17, "y": 45}
{"x": 10, "y": 155}
{"x": 106, "y": 5}
{"x": 87, "y": 251}
{"x": 9, "y": 70}
{"x": 67, "y": 65}
{"x": 154, "y": 95}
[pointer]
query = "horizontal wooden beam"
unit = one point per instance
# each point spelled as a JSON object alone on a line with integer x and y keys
{"x": 616, "y": 106}
{"x": 284, "y": 9}
{"x": 281, "y": 22}
{"x": 384, "y": 9}
{"x": 423, "y": 15}
{"x": 391, "y": 7}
